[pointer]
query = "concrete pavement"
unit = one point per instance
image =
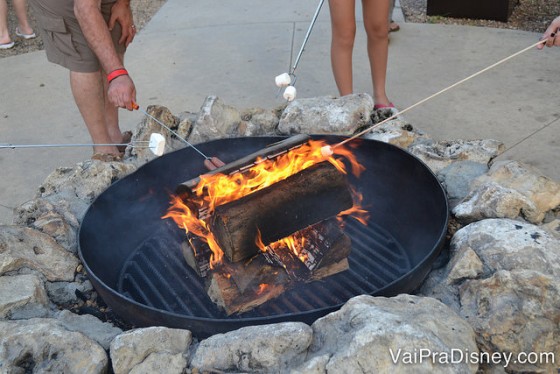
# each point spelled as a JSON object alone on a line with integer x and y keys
{"x": 192, "y": 49}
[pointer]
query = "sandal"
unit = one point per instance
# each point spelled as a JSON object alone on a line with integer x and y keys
{"x": 7, "y": 45}
{"x": 126, "y": 138}
{"x": 106, "y": 157}
{"x": 25, "y": 36}
{"x": 393, "y": 26}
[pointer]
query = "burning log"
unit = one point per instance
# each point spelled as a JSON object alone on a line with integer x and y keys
{"x": 305, "y": 198}
{"x": 239, "y": 287}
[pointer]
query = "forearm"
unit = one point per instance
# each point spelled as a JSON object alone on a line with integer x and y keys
{"x": 97, "y": 33}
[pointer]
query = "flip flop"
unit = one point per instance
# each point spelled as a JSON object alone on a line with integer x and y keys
{"x": 25, "y": 36}
{"x": 7, "y": 45}
{"x": 126, "y": 138}
{"x": 393, "y": 26}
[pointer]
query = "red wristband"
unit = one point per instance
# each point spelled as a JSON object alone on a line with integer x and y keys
{"x": 115, "y": 74}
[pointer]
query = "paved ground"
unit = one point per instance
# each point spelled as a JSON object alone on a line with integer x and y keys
{"x": 193, "y": 49}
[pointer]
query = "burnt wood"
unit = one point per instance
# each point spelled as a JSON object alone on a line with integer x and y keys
{"x": 310, "y": 196}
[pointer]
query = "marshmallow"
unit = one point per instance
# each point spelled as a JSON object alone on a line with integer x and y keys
{"x": 326, "y": 151}
{"x": 283, "y": 80}
{"x": 290, "y": 93}
{"x": 157, "y": 144}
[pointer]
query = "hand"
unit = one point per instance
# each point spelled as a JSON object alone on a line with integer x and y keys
{"x": 122, "y": 92}
{"x": 121, "y": 13}
{"x": 551, "y": 34}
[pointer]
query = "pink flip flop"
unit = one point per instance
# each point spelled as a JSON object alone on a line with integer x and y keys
{"x": 383, "y": 106}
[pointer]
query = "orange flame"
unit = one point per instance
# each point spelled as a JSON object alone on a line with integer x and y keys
{"x": 217, "y": 189}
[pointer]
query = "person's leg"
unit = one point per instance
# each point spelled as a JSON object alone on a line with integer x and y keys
{"x": 20, "y": 8}
{"x": 89, "y": 94}
{"x": 343, "y": 23}
{"x": 4, "y": 32}
{"x": 376, "y": 24}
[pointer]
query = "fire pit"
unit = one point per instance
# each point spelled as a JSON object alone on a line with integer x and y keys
{"x": 134, "y": 258}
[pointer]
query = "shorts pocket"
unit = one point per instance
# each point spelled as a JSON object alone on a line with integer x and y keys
{"x": 57, "y": 31}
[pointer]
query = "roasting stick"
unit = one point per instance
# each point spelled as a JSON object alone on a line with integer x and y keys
{"x": 328, "y": 149}
{"x": 210, "y": 162}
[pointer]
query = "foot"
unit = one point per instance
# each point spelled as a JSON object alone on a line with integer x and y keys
{"x": 393, "y": 26}
{"x": 7, "y": 45}
{"x": 25, "y": 33}
{"x": 126, "y": 138}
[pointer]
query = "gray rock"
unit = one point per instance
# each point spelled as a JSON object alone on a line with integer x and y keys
{"x": 133, "y": 350}
{"x": 439, "y": 155}
{"x": 397, "y": 132}
{"x": 503, "y": 244}
{"x": 465, "y": 265}
{"x": 101, "y": 332}
{"x": 381, "y": 335}
{"x": 326, "y": 115}
{"x": 55, "y": 220}
{"x": 258, "y": 122}
{"x": 216, "y": 120}
{"x": 64, "y": 293}
{"x": 553, "y": 227}
{"x": 23, "y": 297}
{"x": 22, "y": 247}
{"x": 492, "y": 200}
{"x": 86, "y": 180}
{"x": 257, "y": 349}
{"x": 43, "y": 346}
{"x": 542, "y": 192}
{"x": 456, "y": 178}
{"x": 515, "y": 312}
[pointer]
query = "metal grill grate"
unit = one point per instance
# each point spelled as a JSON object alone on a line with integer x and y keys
{"x": 156, "y": 275}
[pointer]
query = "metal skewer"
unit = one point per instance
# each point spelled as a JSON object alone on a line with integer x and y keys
{"x": 136, "y": 106}
{"x": 436, "y": 94}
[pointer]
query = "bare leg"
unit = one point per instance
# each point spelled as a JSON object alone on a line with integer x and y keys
{"x": 20, "y": 8}
{"x": 376, "y": 25}
{"x": 4, "y": 33}
{"x": 343, "y": 23}
{"x": 89, "y": 94}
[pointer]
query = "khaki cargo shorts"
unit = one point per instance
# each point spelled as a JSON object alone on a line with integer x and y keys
{"x": 64, "y": 42}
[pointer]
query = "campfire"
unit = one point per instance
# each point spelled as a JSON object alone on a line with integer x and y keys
{"x": 269, "y": 225}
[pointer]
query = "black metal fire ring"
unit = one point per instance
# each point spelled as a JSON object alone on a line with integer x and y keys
{"x": 134, "y": 261}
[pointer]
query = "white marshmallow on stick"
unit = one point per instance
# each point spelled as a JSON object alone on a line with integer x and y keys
{"x": 283, "y": 80}
{"x": 290, "y": 93}
{"x": 327, "y": 151}
{"x": 157, "y": 144}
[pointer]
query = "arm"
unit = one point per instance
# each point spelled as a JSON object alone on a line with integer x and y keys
{"x": 121, "y": 90}
{"x": 551, "y": 34}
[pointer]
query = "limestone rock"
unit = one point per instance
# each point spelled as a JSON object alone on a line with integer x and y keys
{"x": 22, "y": 247}
{"x": 22, "y": 297}
{"x": 326, "y": 115}
{"x": 438, "y": 155}
{"x": 43, "y": 346}
{"x": 101, "y": 332}
{"x": 186, "y": 123}
{"x": 466, "y": 265}
{"x": 503, "y": 244}
{"x": 64, "y": 293}
{"x": 258, "y": 122}
{"x": 457, "y": 177}
{"x": 542, "y": 192}
{"x": 492, "y": 200}
{"x": 377, "y": 334}
{"x": 553, "y": 227}
{"x": 138, "y": 350}
{"x": 86, "y": 180}
{"x": 267, "y": 348}
{"x": 216, "y": 120}
{"x": 397, "y": 132}
{"x": 515, "y": 312}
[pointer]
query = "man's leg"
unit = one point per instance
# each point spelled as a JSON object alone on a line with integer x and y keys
{"x": 112, "y": 113}
{"x": 89, "y": 94}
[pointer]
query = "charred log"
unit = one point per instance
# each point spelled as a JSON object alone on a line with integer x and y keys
{"x": 305, "y": 198}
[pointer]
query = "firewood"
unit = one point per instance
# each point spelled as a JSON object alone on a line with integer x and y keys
{"x": 310, "y": 196}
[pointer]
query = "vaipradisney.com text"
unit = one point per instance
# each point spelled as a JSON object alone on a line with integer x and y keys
{"x": 458, "y": 356}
